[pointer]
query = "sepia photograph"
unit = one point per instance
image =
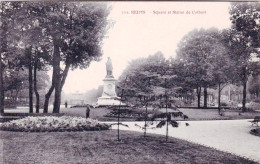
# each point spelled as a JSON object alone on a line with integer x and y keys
{"x": 129, "y": 82}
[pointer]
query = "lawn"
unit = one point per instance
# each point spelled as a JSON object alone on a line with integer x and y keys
{"x": 194, "y": 114}
{"x": 95, "y": 113}
{"x": 212, "y": 114}
{"x": 99, "y": 113}
{"x": 101, "y": 147}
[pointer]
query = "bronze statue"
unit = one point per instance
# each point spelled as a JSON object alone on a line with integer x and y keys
{"x": 109, "y": 67}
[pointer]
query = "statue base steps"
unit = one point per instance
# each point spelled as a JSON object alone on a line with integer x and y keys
{"x": 109, "y": 101}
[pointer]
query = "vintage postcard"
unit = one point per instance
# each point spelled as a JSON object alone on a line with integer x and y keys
{"x": 130, "y": 82}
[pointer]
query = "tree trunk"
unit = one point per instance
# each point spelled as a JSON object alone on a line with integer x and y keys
{"x": 145, "y": 120}
{"x": 48, "y": 95}
{"x": 64, "y": 75}
{"x": 3, "y": 49}
{"x": 16, "y": 96}
{"x": 1, "y": 86}
{"x": 244, "y": 96}
{"x": 57, "y": 77}
{"x": 47, "y": 99}
{"x": 30, "y": 69}
{"x": 244, "y": 90}
{"x": 167, "y": 121}
{"x": 35, "y": 86}
{"x": 205, "y": 97}
{"x": 198, "y": 95}
{"x": 219, "y": 96}
{"x": 54, "y": 76}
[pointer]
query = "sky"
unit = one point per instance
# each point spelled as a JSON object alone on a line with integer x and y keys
{"x": 144, "y": 28}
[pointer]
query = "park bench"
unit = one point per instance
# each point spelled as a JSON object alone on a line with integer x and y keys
{"x": 255, "y": 121}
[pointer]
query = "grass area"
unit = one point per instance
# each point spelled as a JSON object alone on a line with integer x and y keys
{"x": 95, "y": 113}
{"x": 194, "y": 114}
{"x": 101, "y": 147}
{"x": 211, "y": 114}
{"x": 99, "y": 113}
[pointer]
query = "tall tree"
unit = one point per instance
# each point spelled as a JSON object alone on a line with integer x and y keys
{"x": 142, "y": 85}
{"x": 241, "y": 54}
{"x": 193, "y": 55}
{"x": 245, "y": 40}
{"x": 150, "y": 83}
{"x": 72, "y": 32}
{"x": 29, "y": 40}
{"x": 39, "y": 63}
{"x": 222, "y": 65}
{"x": 7, "y": 11}
{"x": 3, "y": 50}
{"x": 76, "y": 31}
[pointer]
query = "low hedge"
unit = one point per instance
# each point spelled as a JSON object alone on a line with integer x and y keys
{"x": 53, "y": 124}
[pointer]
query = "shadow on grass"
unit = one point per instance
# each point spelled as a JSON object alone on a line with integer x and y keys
{"x": 102, "y": 147}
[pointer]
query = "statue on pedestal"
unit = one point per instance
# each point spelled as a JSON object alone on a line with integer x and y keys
{"x": 109, "y": 67}
{"x": 109, "y": 97}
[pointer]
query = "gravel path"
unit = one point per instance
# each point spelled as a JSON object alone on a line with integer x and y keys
{"x": 226, "y": 135}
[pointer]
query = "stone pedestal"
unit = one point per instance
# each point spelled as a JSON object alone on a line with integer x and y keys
{"x": 109, "y": 88}
{"x": 109, "y": 96}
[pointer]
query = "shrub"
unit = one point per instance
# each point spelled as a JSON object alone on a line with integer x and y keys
{"x": 229, "y": 103}
{"x": 235, "y": 108}
{"x": 223, "y": 104}
{"x": 53, "y": 124}
{"x": 233, "y": 103}
{"x": 256, "y": 100}
{"x": 255, "y": 132}
{"x": 252, "y": 106}
{"x": 176, "y": 103}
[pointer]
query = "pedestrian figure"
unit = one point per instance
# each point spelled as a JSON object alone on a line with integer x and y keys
{"x": 222, "y": 112}
{"x": 66, "y": 104}
{"x": 87, "y": 111}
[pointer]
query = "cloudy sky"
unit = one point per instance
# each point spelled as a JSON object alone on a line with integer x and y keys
{"x": 158, "y": 26}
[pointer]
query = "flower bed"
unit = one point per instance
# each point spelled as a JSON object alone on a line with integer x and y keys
{"x": 255, "y": 132}
{"x": 53, "y": 124}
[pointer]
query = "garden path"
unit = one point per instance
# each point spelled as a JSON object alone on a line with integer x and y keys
{"x": 226, "y": 135}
